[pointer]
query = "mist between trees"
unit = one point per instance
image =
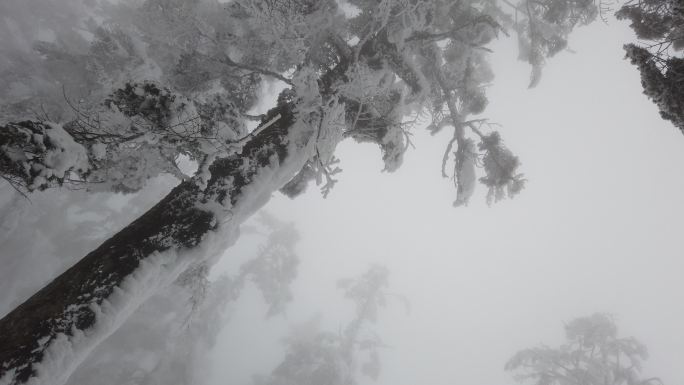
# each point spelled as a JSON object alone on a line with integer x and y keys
{"x": 108, "y": 96}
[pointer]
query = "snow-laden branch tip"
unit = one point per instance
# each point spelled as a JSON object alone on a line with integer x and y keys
{"x": 259, "y": 129}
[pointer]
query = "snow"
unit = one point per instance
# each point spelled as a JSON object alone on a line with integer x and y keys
{"x": 67, "y": 154}
{"x": 203, "y": 174}
{"x": 466, "y": 156}
{"x": 393, "y": 148}
{"x": 63, "y": 155}
{"x": 65, "y": 353}
{"x": 272, "y": 177}
{"x": 99, "y": 150}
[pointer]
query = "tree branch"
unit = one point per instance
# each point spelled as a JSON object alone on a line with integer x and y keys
{"x": 227, "y": 61}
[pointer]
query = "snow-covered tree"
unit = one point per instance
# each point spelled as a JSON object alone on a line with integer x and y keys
{"x": 593, "y": 354}
{"x": 370, "y": 70}
{"x": 140, "y": 132}
{"x": 316, "y": 357}
{"x": 660, "y": 25}
{"x": 129, "y": 124}
{"x": 167, "y": 340}
{"x": 543, "y": 28}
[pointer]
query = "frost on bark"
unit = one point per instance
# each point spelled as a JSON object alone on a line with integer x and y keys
{"x": 411, "y": 61}
{"x": 167, "y": 340}
{"x": 49, "y": 334}
{"x": 71, "y": 312}
{"x": 75, "y": 304}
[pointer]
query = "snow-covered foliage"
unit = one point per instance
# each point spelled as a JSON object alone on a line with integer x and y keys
{"x": 139, "y": 132}
{"x": 37, "y": 155}
{"x": 657, "y": 20}
{"x": 440, "y": 55}
{"x": 543, "y": 28}
{"x": 660, "y": 62}
{"x": 592, "y": 355}
{"x": 155, "y": 128}
{"x": 79, "y": 74}
{"x": 137, "y": 85}
{"x": 500, "y": 166}
{"x": 209, "y": 59}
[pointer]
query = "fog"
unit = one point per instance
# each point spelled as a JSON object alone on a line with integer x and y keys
{"x": 596, "y": 229}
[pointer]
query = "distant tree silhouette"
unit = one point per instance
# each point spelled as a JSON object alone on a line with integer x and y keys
{"x": 593, "y": 354}
{"x": 316, "y": 357}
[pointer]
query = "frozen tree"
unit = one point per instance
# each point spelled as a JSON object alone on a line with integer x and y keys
{"x": 543, "y": 28}
{"x": 138, "y": 133}
{"x": 129, "y": 127}
{"x": 275, "y": 266}
{"x": 38, "y": 236}
{"x": 369, "y": 73}
{"x": 315, "y": 357}
{"x": 593, "y": 354}
{"x": 167, "y": 340}
{"x": 660, "y": 25}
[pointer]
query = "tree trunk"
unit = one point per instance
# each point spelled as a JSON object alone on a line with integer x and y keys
{"x": 45, "y": 338}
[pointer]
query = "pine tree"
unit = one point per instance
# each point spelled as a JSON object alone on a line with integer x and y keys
{"x": 316, "y": 357}
{"x": 370, "y": 74}
{"x": 660, "y": 24}
{"x": 592, "y": 355}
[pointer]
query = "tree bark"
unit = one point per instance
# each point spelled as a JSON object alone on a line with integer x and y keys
{"x": 46, "y": 337}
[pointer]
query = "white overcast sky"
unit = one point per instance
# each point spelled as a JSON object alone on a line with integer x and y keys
{"x": 598, "y": 229}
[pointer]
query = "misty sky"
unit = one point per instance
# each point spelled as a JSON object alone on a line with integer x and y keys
{"x": 598, "y": 229}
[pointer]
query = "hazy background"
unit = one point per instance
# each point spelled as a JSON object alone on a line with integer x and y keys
{"x": 598, "y": 229}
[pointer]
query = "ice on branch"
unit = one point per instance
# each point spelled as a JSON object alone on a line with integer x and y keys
{"x": 466, "y": 177}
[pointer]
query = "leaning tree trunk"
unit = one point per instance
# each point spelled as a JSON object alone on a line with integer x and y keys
{"x": 45, "y": 338}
